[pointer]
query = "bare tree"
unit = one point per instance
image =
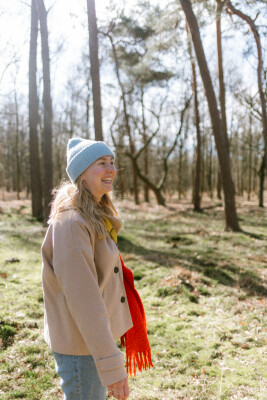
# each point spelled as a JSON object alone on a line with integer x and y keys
{"x": 146, "y": 153}
{"x": 249, "y": 157}
{"x": 17, "y": 144}
{"x": 220, "y": 67}
{"x": 232, "y": 10}
{"x": 220, "y": 140}
{"x": 47, "y": 102}
{"x": 262, "y": 176}
{"x": 255, "y": 111}
{"x": 94, "y": 62}
{"x": 221, "y": 82}
{"x": 157, "y": 188}
{"x": 36, "y": 183}
{"x": 197, "y": 169}
{"x": 126, "y": 117}
{"x": 13, "y": 61}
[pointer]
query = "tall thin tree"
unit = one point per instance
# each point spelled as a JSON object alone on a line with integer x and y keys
{"x": 221, "y": 82}
{"x": 232, "y": 10}
{"x": 36, "y": 183}
{"x": 146, "y": 152}
{"x": 220, "y": 68}
{"x": 94, "y": 62}
{"x": 48, "y": 116}
{"x": 197, "y": 169}
{"x": 17, "y": 145}
{"x": 221, "y": 143}
{"x": 126, "y": 118}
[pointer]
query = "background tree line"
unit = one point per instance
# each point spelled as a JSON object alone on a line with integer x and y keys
{"x": 182, "y": 116}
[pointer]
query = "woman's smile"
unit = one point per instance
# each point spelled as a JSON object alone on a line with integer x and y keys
{"x": 98, "y": 178}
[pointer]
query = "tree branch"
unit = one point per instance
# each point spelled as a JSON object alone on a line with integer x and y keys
{"x": 154, "y": 133}
{"x": 13, "y": 60}
{"x": 24, "y": 2}
{"x": 165, "y": 160}
{"x": 232, "y": 10}
{"x": 112, "y": 125}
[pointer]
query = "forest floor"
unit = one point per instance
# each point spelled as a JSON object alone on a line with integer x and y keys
{"x": 204, "y": 292}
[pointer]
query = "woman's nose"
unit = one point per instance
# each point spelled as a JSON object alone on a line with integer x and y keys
{"x": 111, "y": 167}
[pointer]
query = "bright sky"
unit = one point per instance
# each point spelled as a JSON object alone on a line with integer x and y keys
{"x": 68, "y": 28}
{"x": 67, "y": 23}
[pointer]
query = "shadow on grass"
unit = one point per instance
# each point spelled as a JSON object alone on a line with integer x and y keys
{"x": 29, "y": 240}
{"x": 211, "y": 267}
{"x": 255, "y": 235}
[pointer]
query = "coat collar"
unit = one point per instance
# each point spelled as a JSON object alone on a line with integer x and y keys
{"x": 116, "y": 222}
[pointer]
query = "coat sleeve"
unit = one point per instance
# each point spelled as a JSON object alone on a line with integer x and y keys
{"x": 74, "y": 267}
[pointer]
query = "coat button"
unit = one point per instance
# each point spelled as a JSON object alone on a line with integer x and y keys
{"x": 122, "y": 299}
{"x": 116, "y": 270}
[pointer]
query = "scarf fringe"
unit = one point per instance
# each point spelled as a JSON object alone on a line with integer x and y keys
{"x": 142, "y": 360}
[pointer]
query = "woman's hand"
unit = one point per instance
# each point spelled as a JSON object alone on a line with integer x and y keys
{"x": 119, "y": 390}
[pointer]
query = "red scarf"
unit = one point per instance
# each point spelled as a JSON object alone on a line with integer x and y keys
{"x": 138, "y": 350}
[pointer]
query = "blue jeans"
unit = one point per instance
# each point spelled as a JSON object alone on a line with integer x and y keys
{"x": 79, "y": 377}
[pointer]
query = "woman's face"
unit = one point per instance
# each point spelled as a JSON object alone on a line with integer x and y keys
{"x": 98, "y": 178}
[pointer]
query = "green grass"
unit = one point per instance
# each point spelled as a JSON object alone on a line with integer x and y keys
{"x": 204, "y": 291}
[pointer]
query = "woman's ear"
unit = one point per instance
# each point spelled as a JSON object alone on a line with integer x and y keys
{"x": 82, "y": 178}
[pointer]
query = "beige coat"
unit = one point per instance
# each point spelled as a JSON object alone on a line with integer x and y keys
{"x": 86, "y": 307}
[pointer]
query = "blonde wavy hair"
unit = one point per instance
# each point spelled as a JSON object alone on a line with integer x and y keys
{"x": 69, "y": 196}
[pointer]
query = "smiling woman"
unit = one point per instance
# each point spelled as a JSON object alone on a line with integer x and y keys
{"x": 98, "y": 178}
{"x": 86, "y": 307}
{"x": 89, "y": 295}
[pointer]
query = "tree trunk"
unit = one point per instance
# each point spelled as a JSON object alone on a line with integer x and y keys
{"x": 197, "y": 177}
{"x": 219, "y": 185}
{"x": 35, "y": 174}
{"x": 261, "y": 186}
{"x": 121, "y": 186}
{"x": 146, "y": 161}
{"x": 220, "y": 69}
{"x": 254, "y": 172}
{"x": 87, "y": 101}
{"x": 2, "y": 173}
{"x": 48, "y": 116}
{"x": 243, "y": 169}
{"x": 204, "y": 164}
{"x": 146, "y": 170}
{"x": 237, "y": 165}
{"x": 197, "y": 169}
{"x": 135, "y": 183}
{"x": 18, "y": 171}
{"x": 180, "y": 175}
{"x": 155, "y": 189}
{"x": 249, "y": 158}
{"x": 210, "y": 173}
{"x": 119, "y": 158}
{"x": 221, "y": 84}
{"x": 94, "y": 62}
{"x": 126, "y": 120}
{"x": 253, "y": 27}
{"x": 220, "y": 140}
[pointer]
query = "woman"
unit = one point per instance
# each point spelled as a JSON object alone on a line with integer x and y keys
{"x": 84, "y": 281}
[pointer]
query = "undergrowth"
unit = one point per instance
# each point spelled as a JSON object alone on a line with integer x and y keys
{"x": 204, "y": 292}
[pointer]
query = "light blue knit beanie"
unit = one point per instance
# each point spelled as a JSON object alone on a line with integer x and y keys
{"x": 81, "y": 153}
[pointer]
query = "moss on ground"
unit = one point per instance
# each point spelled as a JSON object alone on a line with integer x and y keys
{"x": 204, "y": 291}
